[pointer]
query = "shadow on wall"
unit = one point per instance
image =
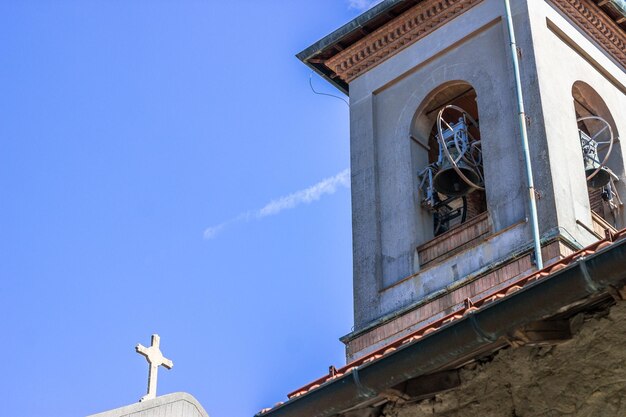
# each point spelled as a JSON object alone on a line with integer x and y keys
{"x": 602, "y": 155}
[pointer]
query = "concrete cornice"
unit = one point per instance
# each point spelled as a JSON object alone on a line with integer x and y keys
{"x": 393, "y": 25}
{"x": 596, "y": 24}
{"x": 395, "y": 36}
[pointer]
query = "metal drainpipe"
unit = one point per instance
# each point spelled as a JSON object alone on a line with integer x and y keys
{"x": 522, "y": 122}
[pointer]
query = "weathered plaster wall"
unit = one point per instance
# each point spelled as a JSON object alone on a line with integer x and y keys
{"x": 388, "y": 222}
{"x": 581, "y": 377}
{"x": 560, "y": 63}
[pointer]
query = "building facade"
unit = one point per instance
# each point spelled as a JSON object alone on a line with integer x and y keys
{"x": 439, "y": 53}
{"x": 487, "y": 188}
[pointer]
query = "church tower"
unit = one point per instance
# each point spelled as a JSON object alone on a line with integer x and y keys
{"x": 485, "y": 144}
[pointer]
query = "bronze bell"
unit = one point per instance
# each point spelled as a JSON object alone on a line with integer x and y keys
{"x": 591, "y": 158}
{"x": 448, "y": 182}
{"x": 601, "y": 179}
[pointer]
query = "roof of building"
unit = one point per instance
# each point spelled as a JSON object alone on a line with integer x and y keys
{"x": 178, "y": 404}
{"x": 569, "y": 285}
{"x": 315, "y": 55}
{"x": 352, "y": 32}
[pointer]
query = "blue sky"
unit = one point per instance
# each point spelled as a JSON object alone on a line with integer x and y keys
{"x": 165, "y": 168}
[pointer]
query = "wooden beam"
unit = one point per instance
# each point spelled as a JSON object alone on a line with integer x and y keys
{"x": 428, "y": 385}
{"x": 545, "y": 332}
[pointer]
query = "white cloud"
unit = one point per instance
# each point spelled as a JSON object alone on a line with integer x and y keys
{"x": 363, "y": 4}
{"x": 305, "y": 196}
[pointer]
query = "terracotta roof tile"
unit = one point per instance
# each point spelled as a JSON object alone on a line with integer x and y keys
{"x": 469, "y": 306}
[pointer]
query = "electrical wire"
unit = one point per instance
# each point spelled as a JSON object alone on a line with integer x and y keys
{"x": 325, "y": 94}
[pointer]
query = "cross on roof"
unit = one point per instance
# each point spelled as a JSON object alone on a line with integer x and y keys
{"x": 155, "y": 358}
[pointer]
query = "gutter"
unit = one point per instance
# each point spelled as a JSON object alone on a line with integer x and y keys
{"x": 546, "y": 293}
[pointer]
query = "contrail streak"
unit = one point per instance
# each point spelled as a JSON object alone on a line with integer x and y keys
{"x": 306, "y": 196}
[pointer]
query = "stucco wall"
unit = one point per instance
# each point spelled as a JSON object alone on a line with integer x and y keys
{"x": 563, "y": 56}
{"x": 388, "y": 222}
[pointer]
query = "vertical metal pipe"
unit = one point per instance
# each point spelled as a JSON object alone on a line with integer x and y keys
{"x": 522, "y": 123}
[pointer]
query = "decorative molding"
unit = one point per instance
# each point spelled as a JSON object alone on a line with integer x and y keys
{"x": 395, "y": 36}
{"x": 595, "y": 23}
{"x": 451, "y": 242}
{"x": 429, "y": 15}
{"x": 436, "y": 309}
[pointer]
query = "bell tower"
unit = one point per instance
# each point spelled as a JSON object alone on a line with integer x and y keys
{"x": 485, "y": 143}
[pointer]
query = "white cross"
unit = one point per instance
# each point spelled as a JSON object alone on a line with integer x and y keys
{"x": 155, "y": 358}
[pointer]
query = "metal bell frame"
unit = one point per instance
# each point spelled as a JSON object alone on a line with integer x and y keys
{"x": 462, "y": 150}
{"x": 593, "y": 143}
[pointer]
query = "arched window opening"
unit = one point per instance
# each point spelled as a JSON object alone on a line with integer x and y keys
{"x": 452, "y": 182}
{"x": 601, "y": 154}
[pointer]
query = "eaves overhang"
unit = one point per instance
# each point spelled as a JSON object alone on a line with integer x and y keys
{"x": 315, "y": 55}
{"x": 616, "y": 9}
{"x": 577, "y": 281}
